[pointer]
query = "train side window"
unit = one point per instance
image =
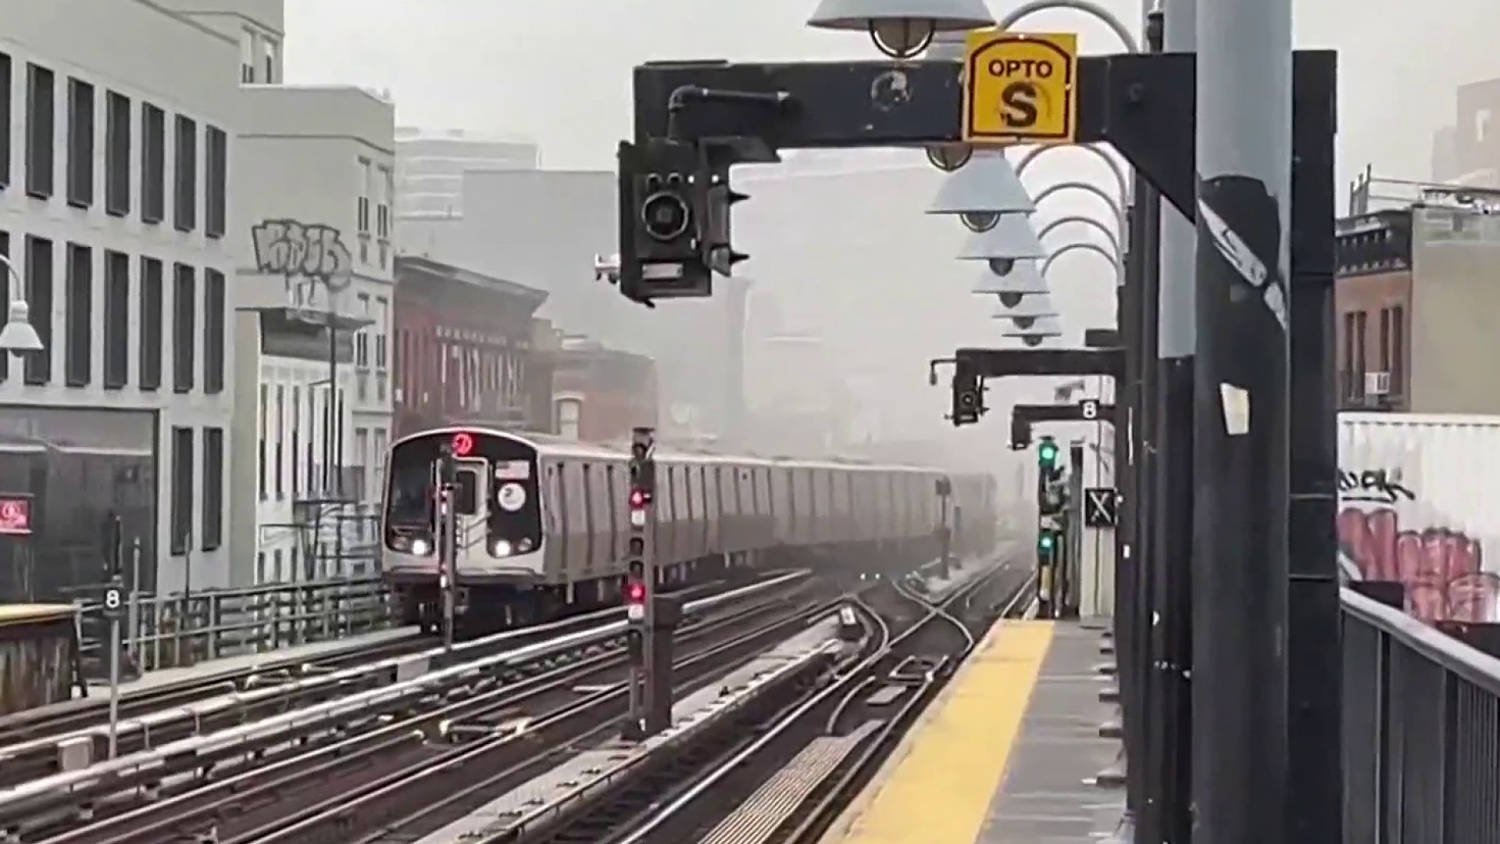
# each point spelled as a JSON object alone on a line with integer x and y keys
{"x": 554, "y": 499}
{"x": 609, "y": 504}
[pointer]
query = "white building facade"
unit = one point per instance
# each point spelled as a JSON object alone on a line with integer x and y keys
{"x": 313, "y": 235}
{"x": 430, "y": 167}
{"x": 114, "y": 183}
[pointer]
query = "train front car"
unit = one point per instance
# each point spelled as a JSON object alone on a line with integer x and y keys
{"x": 497, "y": 503}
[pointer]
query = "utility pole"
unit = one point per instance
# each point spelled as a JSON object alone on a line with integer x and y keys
{"x": 1241, "y": 384}
{"x": 1172, "y": 546}
{"x": 447, "y": 537}
{"x": 945, "y": 529}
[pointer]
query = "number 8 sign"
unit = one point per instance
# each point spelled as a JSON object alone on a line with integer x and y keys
{"x": 114, "y": 601}
{"x": 1089, "y": 409}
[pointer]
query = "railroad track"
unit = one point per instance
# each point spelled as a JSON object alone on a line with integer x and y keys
{"x": 805, "y": 761}
{"x": 257, "y": 788}
{"x": 35, "y": 746}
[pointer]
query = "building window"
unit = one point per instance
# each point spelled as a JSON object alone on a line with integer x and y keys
{"x": 268, "y": 61}
{"x": 216, "y": 161}
{"x": 280, "y": 438}
{"x": 1360, "y": 346}
{"x": 5, "y": 122}
{"x": 39, "y": 131}
{"x": 213, "y": 331}
{"x": 362, "y": 205}
{"x": 151, "y": 324}
{"x": 362, "y": 337}
{"x": 80, "y": 144}
{"x": 153, "y": 164}
{"x": 182, "y": 490}
{"x": 39, "y": 288}
{"x": 78, "y": 322}
{"x": 568, "y": 413}
{"x": 382, "y": 305}
{"x": 1398, "y": 350}
{"x": 5, "y": 295}
{"x": 185, "y": 176}
{"x": 247, "y": 56}
{"x": 295, "y": 451}
{"x": 184, "y": 296}
{"x": 379, "y": 456}
{"x": 116, "y": 319}
{"x": 213, "y": 488}
{"x": 116, "y": 154}
{"x": 260, "y": 467}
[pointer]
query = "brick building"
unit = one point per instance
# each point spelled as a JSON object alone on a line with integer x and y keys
{"x": 464, "y": 349}
{"x": 599, "y": 394}
{"x": 1416, "y": 300}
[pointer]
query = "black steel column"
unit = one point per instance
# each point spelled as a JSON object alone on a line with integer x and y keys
{"x": 1172, "y": 547}
{"x": 1315, "y": 771}
{"x": 1148, "y": 198}
{"x": 1241, "y": 386}
{"x": 1130, "y": 663}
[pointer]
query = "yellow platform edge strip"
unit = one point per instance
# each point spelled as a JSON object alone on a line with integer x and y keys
{"x": 940, "y": 791}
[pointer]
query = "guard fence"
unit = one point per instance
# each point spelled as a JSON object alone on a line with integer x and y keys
{"x": 1421, "y": 726}
{"x": 178, "y": 630}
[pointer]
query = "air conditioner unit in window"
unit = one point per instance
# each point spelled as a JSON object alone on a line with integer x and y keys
{"x": 1377, "y": 383}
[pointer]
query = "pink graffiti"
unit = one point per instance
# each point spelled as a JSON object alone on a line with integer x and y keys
{"x": 1440, "y": 568}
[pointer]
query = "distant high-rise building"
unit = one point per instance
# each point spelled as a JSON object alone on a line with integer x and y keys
{"x": 1468, "y": 151}
{"x": 430, "y": 167}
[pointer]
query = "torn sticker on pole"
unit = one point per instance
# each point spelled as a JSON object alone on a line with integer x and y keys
{"x": 1250, "y": 267}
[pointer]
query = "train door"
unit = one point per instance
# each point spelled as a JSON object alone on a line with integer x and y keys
{"x": 471, "y": 506}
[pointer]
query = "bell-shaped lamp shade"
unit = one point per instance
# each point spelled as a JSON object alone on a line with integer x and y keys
{"x": 1010, "y": 240}
{"x": 987, "y": 185}
{"x": 1023, "y": 278}
{"x": 18, "y": 335}
{"x": 1033, "y": 339}
{"x": 940, "y": 15}
{"x": 1047, "y": 326}
{"x": 1028, "y": 307}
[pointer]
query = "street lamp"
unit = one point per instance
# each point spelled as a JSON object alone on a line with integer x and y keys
{"x": 1027, "y": 310}
{"x": 901, "y": 29}
{"x": 981, "y": 191}
{"x": 1023, "y": 279}
{"x": 18, "y": 335}
{"x": 1008, "y": 241}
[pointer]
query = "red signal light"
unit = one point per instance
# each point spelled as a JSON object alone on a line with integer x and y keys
{"x": 635, "y": 592}
{"x": 463, "y": 444}
{"x": 637, "y": 499}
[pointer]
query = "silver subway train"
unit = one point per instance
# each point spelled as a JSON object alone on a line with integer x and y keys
{"x": 543, "y": 521}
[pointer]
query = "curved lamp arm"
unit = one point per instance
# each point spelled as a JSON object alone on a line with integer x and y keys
{"x": 1088, "y": 221}
{"x": 1114, "y": 166}
{"x": 1114, "y": 204}
{"x": 1087, "y": 246}
{"x": 1104, "y": 16}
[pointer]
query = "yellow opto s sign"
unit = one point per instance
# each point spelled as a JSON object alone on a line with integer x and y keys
{"x": 1020, "y": 87}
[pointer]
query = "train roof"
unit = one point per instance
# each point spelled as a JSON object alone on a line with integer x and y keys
{"x": 554, "y": 445}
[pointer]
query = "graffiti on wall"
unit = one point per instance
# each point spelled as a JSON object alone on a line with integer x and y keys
{"x": 305, "y": 255}
{"x": 1442, "y": 569}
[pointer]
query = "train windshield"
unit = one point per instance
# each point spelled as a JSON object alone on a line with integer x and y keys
{"x": 411, "y": 492}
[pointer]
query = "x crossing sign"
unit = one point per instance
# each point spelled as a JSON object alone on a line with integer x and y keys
{"x": 1099, "y": 509}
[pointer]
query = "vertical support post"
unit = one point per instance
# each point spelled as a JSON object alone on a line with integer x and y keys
{"x": 1148, "y": 199}
{"x": 1240, "y": 444}
{"x": 114, "y": 607}
{"x": 1127, "y": 560}
{"x": 945, "y": 525}
{"x": 134, "y": 623}
{"x": 1172, "y": 541}
{"x": 447, "y": 538}
{"x": 1314, "y": 696}
{"x": 1073, "y": 574}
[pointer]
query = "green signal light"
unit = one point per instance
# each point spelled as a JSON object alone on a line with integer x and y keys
{"x": 1048, "y": 452}
{"x": 1045, "y": 542}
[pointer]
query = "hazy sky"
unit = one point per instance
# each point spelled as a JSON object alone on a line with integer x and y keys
{"x": 559, "y": 70}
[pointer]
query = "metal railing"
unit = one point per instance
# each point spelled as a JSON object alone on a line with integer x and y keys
{"x": 178, "y": 630}
{"x": 1421, "y": 728}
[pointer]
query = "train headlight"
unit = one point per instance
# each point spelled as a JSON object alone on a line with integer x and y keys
{"x": 501, "y": 548}
{"x": 524, "y": 545}
{"x": 420, "y": 547}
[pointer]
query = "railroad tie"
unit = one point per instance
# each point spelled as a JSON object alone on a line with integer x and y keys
{"x": 778, "y": 798}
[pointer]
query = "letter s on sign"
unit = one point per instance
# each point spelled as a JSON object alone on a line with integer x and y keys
{"x": 1018, "y": 105}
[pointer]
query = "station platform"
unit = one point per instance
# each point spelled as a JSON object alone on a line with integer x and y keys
{"x": 1006, "y": 754}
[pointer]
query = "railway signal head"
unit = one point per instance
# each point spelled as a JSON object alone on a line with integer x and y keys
{"x": 663, "y": 201}
{"x": 968, "y": 399}
{"x": 1046, "y": 454}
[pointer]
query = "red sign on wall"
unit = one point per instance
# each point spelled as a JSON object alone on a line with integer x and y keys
{"x": 15, "y": 515}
